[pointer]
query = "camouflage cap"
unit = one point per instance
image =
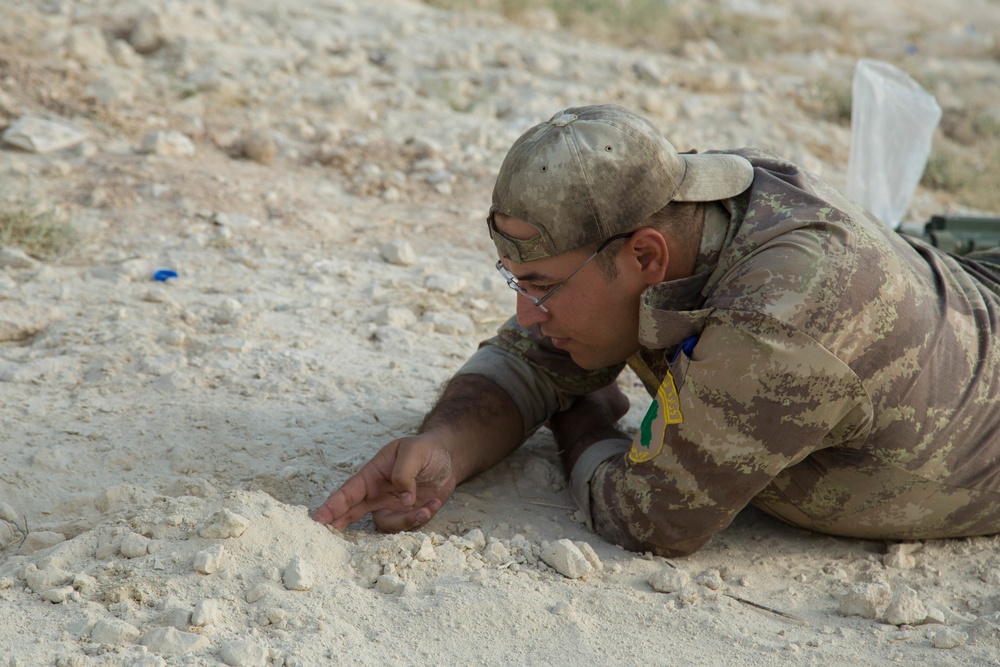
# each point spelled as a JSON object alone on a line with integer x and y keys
{"x": 592, "y": 172}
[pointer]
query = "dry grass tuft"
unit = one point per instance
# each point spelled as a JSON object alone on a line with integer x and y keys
{"x": 37, "y": 235}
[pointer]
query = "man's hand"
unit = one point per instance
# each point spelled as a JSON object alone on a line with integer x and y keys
{"x": 473, "y": 426}
{"x": 403, "y": 486}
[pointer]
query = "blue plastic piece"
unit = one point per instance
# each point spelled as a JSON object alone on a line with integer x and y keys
{"x": 164, "y": 274}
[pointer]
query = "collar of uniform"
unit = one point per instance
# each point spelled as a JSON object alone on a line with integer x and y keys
{"x": 669, "y": 312}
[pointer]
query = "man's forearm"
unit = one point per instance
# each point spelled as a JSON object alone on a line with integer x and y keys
{"x": 591, "y": 419}
{"x": 478, "y": 421}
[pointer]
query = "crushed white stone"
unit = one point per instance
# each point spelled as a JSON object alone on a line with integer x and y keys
{"x": 905, "y": 608}
{"x": 299, "y": 575}
{"x": 169, "y": 143}
{"x": 168, "y": 641}
{"x": 243, "y": 653}
{"x": 208, "y": 560}
{"x": 867, "y": 600}
{"x": 669, "y": 579}
{"x": 224, "y": 524}
{"x": 949, "y": 638}
{"x": 567, "y": 559}
{"x": 114, "y": 631}
{"x": 134, "y": 545}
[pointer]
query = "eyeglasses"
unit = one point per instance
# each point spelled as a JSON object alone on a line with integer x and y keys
{"x": 513, "y": 284}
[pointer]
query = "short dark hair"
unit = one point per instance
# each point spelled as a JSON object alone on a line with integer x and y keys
{"x": 681, "y": 221}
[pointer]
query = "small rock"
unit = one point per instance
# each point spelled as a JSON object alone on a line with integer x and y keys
{"x": 243, "y": 653}
{"x": 134, "y": 545}
{"x": 198, "y": 488}
{"x": 86, "y": 44}
{"x": 206, "y": 612}
{"x": 147, "y": 35}
{"x": 125, "y": 56}
{"x": 84, "y": 582}
{"x": 649, "y": 71}
{"x": 299, "y": 575}
{"x": 20, "y": 321}
{"x": 258, "y": 593}
{"x": 496, "y": 553}
{"x": 259, "y": 147}
{"x": 450, "y": 324}
{"x": 276, "y": 615}
{"x": 478, "y": 539}
{"x": 58, "y": 595}
{"x": 669, "y": 580}
{"x": 448, "y": 283}
{"x": 702, "y": 50}
{"x": 224, "y": 524}
{"x": 168, "y": 143}
{"x": 395, "y": 316}
{"x": 426, "y": 551}
{"x": 905, "y": 608}
{"x": 170, "y": 641}
{"x": 229, "y": 312}
{"x": 900, "y": 556}
{"x": 389, "y": 584}
{"x": 936, "y": 615}
{"x": 563, "y": 608}
{"x": 8, "y": 513}
{"x": 542, "y": 62}
{"x": 398, "y": 252}
{"x": 121, "y": 497}
{"x": 992, "y": 576}
{"x": 15, "y": 258}
{"x": 8, "y": 534}
{"x": 948, "y": 638}
{"x": 148, "y": 660}
{"x": 235, "y": 221}
{"x": 710, "y": 579}
{"x": 113, "y": 631}
{"x": 567, "y": 559}
{"x": 208, "y": 561}
{"x": 591, "y": 555}
{"x": 450, "y": 555}
{"x": 46, "y": 578}
{"x": 176, "y": 617}
{"x": 865, "y": 600}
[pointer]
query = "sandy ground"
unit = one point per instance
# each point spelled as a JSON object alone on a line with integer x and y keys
{"x": 316, "y": 172}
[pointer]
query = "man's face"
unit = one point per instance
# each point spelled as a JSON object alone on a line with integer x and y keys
{"x": 593, "y": 319}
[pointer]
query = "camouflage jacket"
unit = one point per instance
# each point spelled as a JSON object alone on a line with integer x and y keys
{"x": 837, "y": 375}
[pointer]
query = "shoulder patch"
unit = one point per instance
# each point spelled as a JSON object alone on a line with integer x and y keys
{"x": 664, "y": 410}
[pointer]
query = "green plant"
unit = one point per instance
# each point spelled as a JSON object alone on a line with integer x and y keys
{"x": 971, "y": 181}
{"x": 836, "y": 98}
{"x": 40, "y": 236}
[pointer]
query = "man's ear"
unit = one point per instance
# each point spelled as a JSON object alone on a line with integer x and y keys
{"x": 649, "y": 255}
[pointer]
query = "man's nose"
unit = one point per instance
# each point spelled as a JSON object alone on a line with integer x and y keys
{"x": 528, "y": 313}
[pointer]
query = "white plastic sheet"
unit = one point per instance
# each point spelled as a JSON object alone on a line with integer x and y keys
{"x": 892, "y": 124}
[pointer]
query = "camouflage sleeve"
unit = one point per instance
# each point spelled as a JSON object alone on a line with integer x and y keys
{"x": 540, "y": 379}
{"x": 755, "y": 397}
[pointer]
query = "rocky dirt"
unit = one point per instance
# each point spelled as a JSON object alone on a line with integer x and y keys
{"x": 316, "y": 173}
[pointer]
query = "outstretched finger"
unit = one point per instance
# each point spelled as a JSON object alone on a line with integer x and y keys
{"x": 340, "y": 503}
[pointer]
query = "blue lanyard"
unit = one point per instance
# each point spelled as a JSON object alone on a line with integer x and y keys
{"x": 686, "y": 346}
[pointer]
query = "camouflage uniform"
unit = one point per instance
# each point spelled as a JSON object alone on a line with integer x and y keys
{"x": 835, "y": 374}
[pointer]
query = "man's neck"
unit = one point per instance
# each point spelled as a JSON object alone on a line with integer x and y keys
{"x": 684, "y": 257}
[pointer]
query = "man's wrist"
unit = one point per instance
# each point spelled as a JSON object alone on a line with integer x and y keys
{"x": 586, "y": 465}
